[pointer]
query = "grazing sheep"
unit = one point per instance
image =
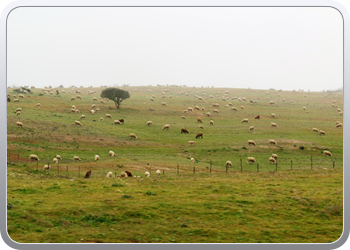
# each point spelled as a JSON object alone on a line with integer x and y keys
{"x": 149, "y": 123}
{"x": 152, "y": 99}
{"x": 129, "y": 174}
{"x": 208, "y": 114}
{"x": 92, "y": 111}
{"x": 338, "y": 125}
{"x": 21, "y": 96}
{"x": 251, "y": 159}
{"x": 18, "y": 112}
{"x": 77, "y": 123}
{"x": 337, "y": 122}
{"x": 55, "y": 160}
{"x": 72, "y": 110}
{"x": 185, "y": 111}
{"x": 96, "y": 158}
{"x": 78, "y": 97}
{"x": 228, "y": 163}
{"x": 274, "y": 125}
{"x": 101, "y": 119}
{"x": 72, "y": 99}
{"x": 158, "y": 173}
{"x": 272, "y": 142}
{"x": 274, "y": 156}
{"x": 147, "y": 174}
{"x": 16, "y": 100}
{"x": 108, "y": 116}
{"x": 304, "y": 108}
{"x": 94, "y": 99}
{"x": 251, "y": 128}
{"x": 58, "y": 157}
{"x": 327, "y": 153}
{"x": 211, "y": 122}
{"x": 199, "y": 120}
{"x": 34, "y": 157}
{"x": 76, "y": 158}
{"x": 341, "y": 113}
{"x": 192, "y": 160}
{"x": 93, "y": 106}
{"x": 251, "y": 142}
{"x": 244, "y": 120}
{"x": 201, "y": 126}
{"x": 315, "y": 130}
{"x": 164, "y": 104}
{"x": 19, "y": 124}
{"x": 191, "y": 142}
{"x": 116, "y": 122}
{"x": 82, "y": 117}
{"x": 183, "y": 130}
{"x": 133, "y": 136}
{"x": 202, "y": 108}
{"x": 322, "y": 132}
{"x": 257, "y": 117}
{"x": 273, "y": 160}
{"x": 273, "y": 115}
{"x": 111, "y": 153}
{"x": 196, "y": 108}
{"x": 98, "y": 109}
{"x": 183, "y": 117}
{"x": 47, "y": 167}
{"x": 190, "y": 109}
{"x": 215, "y": 111}
{"x": 38, "y": 104}
{"x": 77, "y": 111}
{"x": 109, "y": 174}
{"x": 19, "y": 109}
{"x": 88, "y": 174}
{"x": 102, "y": 101}
{"x": 166, "y": 126}
{"x": 272, "y": 102}
{"x": 242, "y": 107}
{"x": 200, "y": 135}
{"x": 121, "y": 121}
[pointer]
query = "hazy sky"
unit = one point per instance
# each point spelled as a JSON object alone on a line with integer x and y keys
{"x": 268, "y": 47}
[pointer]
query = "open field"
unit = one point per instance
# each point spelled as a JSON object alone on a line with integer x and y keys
{"x": 298, "y": 205}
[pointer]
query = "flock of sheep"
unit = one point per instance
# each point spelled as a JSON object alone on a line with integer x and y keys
{"x": 95, "y": 110}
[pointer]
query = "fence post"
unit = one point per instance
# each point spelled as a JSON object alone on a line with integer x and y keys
{"x": 311, "y": 161}
{"x": 257, "y": 167}
{"x": 291, "y": 164}
{"x": 194, "y": 170}
{"x": 210, "y": 166}
{"x": 67, "y": 170}
{"x": 276, "y": 165}
{"x": 178, "y": 169}
{"x": 48, "y": 165}
{"x": 79, "y": 171}
{"x": 163, "y": 171}
{"x": 241, "y": 166}
{"x": 333, "y": 164}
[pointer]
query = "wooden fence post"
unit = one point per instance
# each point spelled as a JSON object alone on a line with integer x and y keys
{"x": 194, "y": 170}
{"x": 311, "y": 161}
{"x": 241, "y": 166}
{"x": 163, "y": 171}
{"x": 210, "y": 166}
{"x": 333, "y": 164}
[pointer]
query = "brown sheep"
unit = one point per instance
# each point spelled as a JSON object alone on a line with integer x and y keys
{"x": 211, "y": 122}
{"x": 121, "y": 121}
{"x": 88, "y": 174}
{"x": 257, "y": 117}
{"x": 183, "y": 130}
{"x": 200, "y": 126}
{"x": 128, "y": 173}
{"x": 200, "y": 135}
{"x": 199, "y": 120}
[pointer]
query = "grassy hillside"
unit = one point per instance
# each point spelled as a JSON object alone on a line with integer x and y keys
{"x": 299, "y": 205}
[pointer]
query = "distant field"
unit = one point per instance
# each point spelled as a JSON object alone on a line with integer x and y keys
{"x": 48, "y": 130}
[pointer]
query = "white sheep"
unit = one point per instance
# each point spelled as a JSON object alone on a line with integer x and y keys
{"x": 149, "y": 123}
{"x": 133, "y": 136}
{"x": 211, "y": 122}
{"x": 21, "y": 96}
{"x": 16, "y": 100}
{"x": 58, "y": 157}
{"x": 327, "y": 153}
{"x": 77, "y": 111}
{"x": 158, "y": 173}
{"x": 77, "y": 123}
{"x": 18, "y": 113}
{"x": 274, "y": 125}
{"x": 208, "y": 114}
{"x": 34, "y": 157}
{"x": 244, "y": 120}
{"x": 166, "y": 126}
{"x": 199, "y": 119}
{"x": 109, "y": 174}
{"x": 315, "y": 130}
{"x": 251, "y": 159}
{"x": 76, "y": 158}
{"x": 273, "y": 160}
{"x": 234, "y": 108}
{"x": 192, "y": 160}
{"x": 322, "y": 132}
{"x": 96, "y": 158}
{"x": 38, "y": 104}
{"x": 101, "y": 119}
{"x": 20, "y": 109}
{"x": 251, "y": 142}
{"x": 228, "y": 163}
{"x": 82, "y": 117}
{"x": 273, "y": 115}
{"x": 272, "y": 142}
{"x": 116, "y": 122}
{"x": 164, "y": 104}
{"x": 251, "y": 128}
{"x": 242, "y": 107}
{"x": 111, "y": 153}
{"x": 47, "y": 167}
{"x": 183, "y": 117}
{"x": 191, "y": 142}
{"x": 92, "y": 111}
{"x": 147, "y": 174}
{"x": 338, "y": 125}
{"x": 215, "y": 111}
{"x": 108, "y": 116}
{"x": 274, "y": 156}
{"x": 19, "y": 124}
{"x": 55, "y": 160}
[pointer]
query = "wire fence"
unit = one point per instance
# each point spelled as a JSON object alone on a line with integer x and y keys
{"x": 69, "y": 168}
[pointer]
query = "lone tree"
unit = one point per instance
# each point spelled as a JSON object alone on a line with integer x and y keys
{"x": 116, "y": 95}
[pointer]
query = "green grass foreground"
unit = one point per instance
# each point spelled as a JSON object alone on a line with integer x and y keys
{"x": 299, "y": 200}
{"x": 290, "y": 206}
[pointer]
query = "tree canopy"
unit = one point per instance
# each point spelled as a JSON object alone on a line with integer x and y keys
{"x": 116, "y": 95}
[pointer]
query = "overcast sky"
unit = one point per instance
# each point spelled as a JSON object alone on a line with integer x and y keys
{"x": 262, "y": 48}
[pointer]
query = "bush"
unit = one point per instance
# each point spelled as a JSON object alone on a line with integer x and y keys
{"x": 302, "y": 147}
